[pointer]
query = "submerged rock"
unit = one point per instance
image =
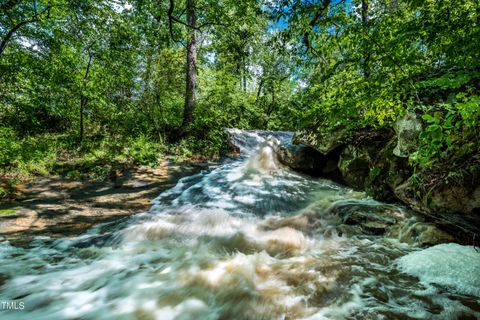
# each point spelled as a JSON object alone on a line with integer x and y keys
{"x": 429, "y": 235}
{"x": 374, "y": 219}
{"x": 424, "y": 234}
{"x": 377, "y": 219}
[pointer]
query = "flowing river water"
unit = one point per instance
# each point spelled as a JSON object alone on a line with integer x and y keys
{"x": 245, "y": 240}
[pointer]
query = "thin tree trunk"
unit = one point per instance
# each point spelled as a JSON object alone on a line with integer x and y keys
{"x": 191, "y": 72}
{"x": 271, "y": 107}
{"x": 83, "y": 98}
{"x": 260, "y": 87}
{"x": 274, "y": 101}
{"x": 239, "y": 71}
{"x": 366, "y": 53}
{"x": 324, "y": 7}
{"x": 244, "y": 74}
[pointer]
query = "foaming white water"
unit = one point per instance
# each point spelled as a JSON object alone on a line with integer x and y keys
{"x": 246, "y": 240}
{"x": 266, "y": 156}
{"x": 450, "y": 265}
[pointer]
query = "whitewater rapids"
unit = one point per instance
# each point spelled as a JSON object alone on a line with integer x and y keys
{"x": 246, "y": 240}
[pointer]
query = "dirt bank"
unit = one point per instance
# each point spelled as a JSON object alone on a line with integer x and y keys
{"x": 59, "y": 206}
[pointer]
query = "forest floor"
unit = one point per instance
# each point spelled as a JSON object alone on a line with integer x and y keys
{"x": 59, "y": 206}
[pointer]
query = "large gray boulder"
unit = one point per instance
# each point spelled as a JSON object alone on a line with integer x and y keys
{"x": 407, "y": 129}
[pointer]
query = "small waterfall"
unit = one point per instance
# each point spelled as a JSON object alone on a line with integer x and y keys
{"x": 249, "y": 141}
{"x": 246, "y": 240}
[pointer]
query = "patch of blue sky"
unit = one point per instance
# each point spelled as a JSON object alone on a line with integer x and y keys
{"x": 281, "y": 23}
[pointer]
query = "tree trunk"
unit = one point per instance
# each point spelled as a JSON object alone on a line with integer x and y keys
{"x": 244, "y": 74}
{"x": 83, "y": 102}
{"x": 366, "y": 52}
{"x": 83, "y": 98}
{"x": 191, "y": 72}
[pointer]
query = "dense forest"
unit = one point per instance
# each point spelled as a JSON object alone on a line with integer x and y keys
{"x": 240, "y": 159}
{"x": 122, "y": 82}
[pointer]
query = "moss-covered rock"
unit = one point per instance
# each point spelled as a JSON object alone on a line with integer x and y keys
{"x": 407, "y": 129}
{"x": 324, "y": 141}
{"x": 439, "y": 195}
{"x": 376, "y": 161}
{"x": 386, "y": 173}
{"x": 354, "y": 164}
{"x": 367, "y": 163}
{"x": 458, "y": 198}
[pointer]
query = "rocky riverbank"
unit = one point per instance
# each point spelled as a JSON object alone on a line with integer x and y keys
{"x": 377, "y": 161}
{"x": 59, "y": 206}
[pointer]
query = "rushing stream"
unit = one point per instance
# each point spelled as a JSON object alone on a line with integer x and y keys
{"x": 245, "y": 240}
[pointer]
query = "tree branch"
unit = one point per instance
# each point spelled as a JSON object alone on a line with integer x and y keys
{"x": 15, "y": 28}
{"x": 10, "y": 33}
{"x": 172, "y": 19}
{"x": 313, "y": 22}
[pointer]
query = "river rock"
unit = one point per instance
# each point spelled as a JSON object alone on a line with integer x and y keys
{"x": 300, "y": 157}
{"x": 418, "y": 232}
{"x": 373, "y": 219}
{"x": 322, "y": 140}
{"x": 376, "y": 161}
{"x": 306, "y": 159}
{"x": 463, "y": 198}
{"x": 354, "y": 164}
{"x": 407, "y": 129}
{"x": 386, "y": 173}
